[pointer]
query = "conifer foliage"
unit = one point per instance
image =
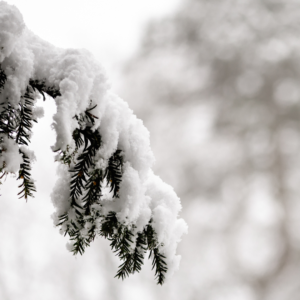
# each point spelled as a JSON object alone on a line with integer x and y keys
{"x": 89, "y": 221}
{"x": 16, "y": 124}
{"x": 86, "y": 185}
{"x": 105, "y": 184}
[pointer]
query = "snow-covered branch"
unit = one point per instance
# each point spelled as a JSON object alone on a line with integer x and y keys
{"x": 106, "y": 186}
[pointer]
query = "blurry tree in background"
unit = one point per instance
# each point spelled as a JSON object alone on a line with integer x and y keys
{"x": 217, "y": 85}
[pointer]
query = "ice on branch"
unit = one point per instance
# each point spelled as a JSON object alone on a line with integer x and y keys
{"x": 105, "y": 186}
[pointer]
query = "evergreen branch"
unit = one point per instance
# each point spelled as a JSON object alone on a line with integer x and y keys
{"x": 67, "y": 158}
{"x": 73, "y": 230}
{"x": 159, "y": 264}
{"x": 150, "y": 236}
{"x": 41, "y": 86}
{"x": 94, "y": 190}
{"x": 80, "y": 244}
{"x": 62, "y": 219}
{"x": 90, "y": 117}
{"x": 24, "y": 174}
{"x": 113, "y": 172}
{"x": 91, "y": 232}
{"x": 158, "y": 259}
{"x": 3, "y": 78}
{"x": 77, "y": 138}
{"x": 2, "y": 171}
{"x": 92, "y": 142}
{"x": 139, "y": 251}
{"x": 85, "y": 185}
{"x": 86, "y": 118}
{"x": 120, "y": 244}
{"x": 93, "y": 186}
{"x": 82, "y": 180}
{"x": 133, "y": 261}
{"x": 110, "y": 224}
{"x": 25, "y": 123}
{"x": 23, "y": 138}
{"x": 9, "y": 119}
{"x": 120, "y": 241}
{"x": 89, "y": 183}
{"x": 125, "y": 269}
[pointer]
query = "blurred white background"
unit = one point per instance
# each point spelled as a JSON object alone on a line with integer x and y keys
{"x": 217, "y": 85}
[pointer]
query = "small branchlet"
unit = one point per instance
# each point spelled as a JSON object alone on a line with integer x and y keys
{"x": 3, "y": 78}
{"x": 113, "y": 172}
{"x": 158, "y": 261}
{"x": 86, "y": 190}
{"x": 25, "y": 118}
{"x": 16, "y": 124}
{"x": 42, "y": 88}
{"x": 27, "y": 185}
{"x": 9, "y": 120}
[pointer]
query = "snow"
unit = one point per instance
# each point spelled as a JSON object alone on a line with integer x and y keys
{"x": 12, "y": 25}
{"x": 81, "y": 79}
{"x": 10, "y": 156}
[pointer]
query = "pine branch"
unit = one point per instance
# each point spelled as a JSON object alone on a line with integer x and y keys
{"x": 80, "y": 241}
{"x": 68, "y": 157}
{"x": 25, "y": 123}
{"x": 9, "y": 119}
{"x": 150, "y": 236}
{"x": 41, "y": 86}
{"x": 23, "y": 138}
{"x": 139, "y": 251}
{"x": 86, "y": 190}
{"x": 77, "y": 138}
{"x": 125, "y": 269}
{"x": 3, "y": 78}
{"x": 8, "y": 115}
{"x": 120, "y": 244}
{"x": 94, "y": 190}
{"x": 113, "y": 172}
{"x": 92, "y": 142}
{"x": 90, "y": 118}
{"x": 93, "y": 186}
{"x": 158, "y": 259}
{"x": 120, "y": 241}
{"x": 110, "y": 224}
{"x": 159, "y": 264}
{"x": 79, "y": 245}
{"x": 24, "y": 174}
{"x": 83, "y": 180}
{"x": 62, "y": 220}
{"x": 2, "y": 170}
{"x": 133, "y": 261}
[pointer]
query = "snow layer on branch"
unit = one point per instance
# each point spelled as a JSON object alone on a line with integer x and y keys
{"x": 80, "y": 79}
{"x": 61, "y": 192}
{"x": 165, "y": 206}
{"x": 12, "y": 25}
{"x": 10, "y": 155}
